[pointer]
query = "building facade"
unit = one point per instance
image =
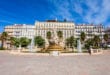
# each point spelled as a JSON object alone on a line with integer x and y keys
{"x": 90, "y": 30}
{"x": 19, "y": 30}
{"x": 67, "y": 28}
{"x": 107, "y": 31}
{"x": 0, "y": 41}
{"x": 41, "y": 28}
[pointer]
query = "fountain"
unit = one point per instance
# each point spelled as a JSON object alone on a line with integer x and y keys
{"x": 31, "y": 45}
{"x": 54, "y": 48}
{"x": 19, "y": 48}
{"x": 79, "y": 46}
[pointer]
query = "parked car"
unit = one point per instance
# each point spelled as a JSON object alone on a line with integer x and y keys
{"x": 108, "y": 46}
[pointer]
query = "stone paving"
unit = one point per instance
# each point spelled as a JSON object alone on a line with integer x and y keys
{"x": 49, "y": 65}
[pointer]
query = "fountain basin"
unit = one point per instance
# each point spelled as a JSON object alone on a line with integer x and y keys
{"x": 54, "y": 53}
{"x": 54, "y": 49}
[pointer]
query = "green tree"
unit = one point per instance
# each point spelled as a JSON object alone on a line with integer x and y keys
{"x": 67, "y": 41}
{"x": 106, "y": 36}
{"x": 14, "y": 41}
{"x": 39, "y": 41}
{"x": 70, "y": 41}
{"x": 82, "y": 37}
{"x": 24, "y": 42}
{"x": 96, "y": 41}
{"x": 3, "y": 37}
{"x": 88, "y": 43}
{"x": 49, "y": 35}
{"x": 75, "y": 42}
{"x": 60, "y": 34}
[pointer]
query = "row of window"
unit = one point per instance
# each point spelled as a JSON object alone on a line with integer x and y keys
{"x": 89, "y": 27}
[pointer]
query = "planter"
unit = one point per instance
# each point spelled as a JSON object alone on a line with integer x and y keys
{"x": 95, "y": 51}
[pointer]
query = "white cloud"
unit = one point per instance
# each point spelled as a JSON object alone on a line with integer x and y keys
{"x": 98, "y": 11}
{"x": 77, "y": 8}
{"x": 62, "y": 9}
{"x": 5, "y": 21}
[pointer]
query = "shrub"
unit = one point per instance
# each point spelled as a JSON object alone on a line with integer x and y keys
{"x": 95, "y": 47}
{"x": 1, "y": 48}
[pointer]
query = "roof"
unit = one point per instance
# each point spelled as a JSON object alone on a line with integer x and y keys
{"x": 51, "y": 21}
{"x": 57, "y": 21}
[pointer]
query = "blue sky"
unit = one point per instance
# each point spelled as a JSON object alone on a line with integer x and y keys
{"x": 79, "y": 11}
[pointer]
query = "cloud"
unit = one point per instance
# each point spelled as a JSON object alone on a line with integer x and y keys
{"x": 78, "y": 8}
{"x": 5, "y": 21}
{"x": 62, "y": 9}
{"x": 95, "y": 11}
{"x": 98, "y": 11}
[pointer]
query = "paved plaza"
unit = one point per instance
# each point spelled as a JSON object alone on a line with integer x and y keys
{"x": 50, "y": 65}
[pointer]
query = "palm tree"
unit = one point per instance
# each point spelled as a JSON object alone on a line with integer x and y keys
{"x": 96, "y": 41}
{"x": 12, "y": 41}
{"x": 88, "y": 43}
{"x": 60, "y": 34}
{"x": 70, "y": 41}
{"x": 106, "y": 36}
{"x": 3, "y": 38}
{"x": 82, "y": 37}
{"x": 49, "y": 35}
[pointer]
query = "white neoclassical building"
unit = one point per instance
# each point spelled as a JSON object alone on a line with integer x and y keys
{"x": 0, "y": 40}
{"x": 42, "y": 28}
{"x": 89, "y": 29}
{"x": 20, "y": 30}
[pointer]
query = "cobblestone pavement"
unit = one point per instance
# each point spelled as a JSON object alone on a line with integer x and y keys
{"x": 49, "y": 65}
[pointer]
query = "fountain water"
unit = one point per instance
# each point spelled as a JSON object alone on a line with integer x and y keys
{"x": 31, "y": 45}
{"x": 79, "y": 46}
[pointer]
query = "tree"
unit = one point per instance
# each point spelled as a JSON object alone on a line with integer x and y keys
{"x": 70, "y": 41}
{"x": 82, "y": 37}
{"x": 67, "y": 41}
{"x": 24, "y": 42}
{"x": 88, "y": 43}
{"x": 96, "y": 41}
{"x": 17, "y": 42}
{"x": 106, "y": 37}
{"x": 75, "y": 42}
{"x": 3, "y": 38}
{"x": 60, "y": 34}
{"x": 14, "y": 41}
{"x": 39, "y": 41}
{"x": 49, "y": 35}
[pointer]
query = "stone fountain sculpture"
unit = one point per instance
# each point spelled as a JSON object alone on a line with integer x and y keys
{"x": 54, "y": 39}
{"x": 54, "y": 46}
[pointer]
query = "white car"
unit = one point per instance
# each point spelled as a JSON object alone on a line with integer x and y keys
{"x": 108, "y": 46}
